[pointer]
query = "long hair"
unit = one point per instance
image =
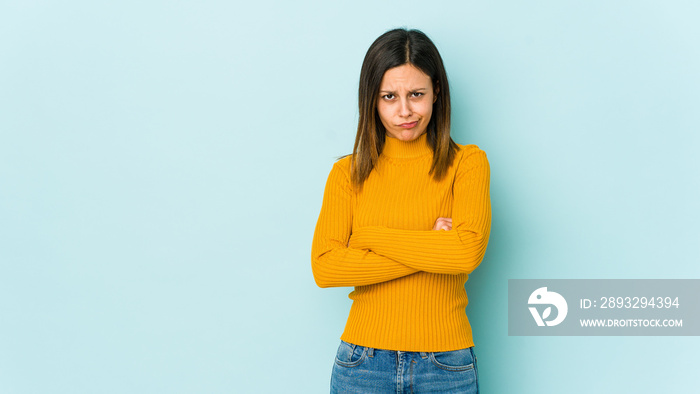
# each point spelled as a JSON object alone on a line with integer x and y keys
{"x": 392, "y": 49}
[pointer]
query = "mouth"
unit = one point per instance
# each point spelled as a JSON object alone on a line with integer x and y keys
{"x": 408, "y": 125}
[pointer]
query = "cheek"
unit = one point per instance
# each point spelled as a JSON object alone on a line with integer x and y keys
{"x": 427, "y": 111}
{"x": 384, "y": 113}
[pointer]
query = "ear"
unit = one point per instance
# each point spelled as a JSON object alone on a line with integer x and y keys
{"x": 436, "y": 91}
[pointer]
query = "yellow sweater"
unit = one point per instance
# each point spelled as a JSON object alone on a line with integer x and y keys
{"x": 409, "y": 279}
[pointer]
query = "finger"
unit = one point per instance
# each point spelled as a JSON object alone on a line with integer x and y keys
{"x": 439, "y": 226}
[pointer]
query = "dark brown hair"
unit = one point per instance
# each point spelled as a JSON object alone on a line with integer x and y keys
{"x": 392, "y": 49}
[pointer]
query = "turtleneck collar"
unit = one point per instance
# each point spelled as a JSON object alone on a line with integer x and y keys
{"x": 395, "y": 148}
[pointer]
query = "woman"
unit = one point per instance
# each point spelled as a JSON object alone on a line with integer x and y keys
{"x": 404, "y": 220}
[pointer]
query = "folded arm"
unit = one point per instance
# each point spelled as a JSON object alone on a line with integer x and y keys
{"x": 456, "y": 251}
{"x": 333, "y": 263}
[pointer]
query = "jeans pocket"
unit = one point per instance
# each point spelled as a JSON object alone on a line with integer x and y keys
{"x": 456, "y": 360}
{"x": 350, "y": 355}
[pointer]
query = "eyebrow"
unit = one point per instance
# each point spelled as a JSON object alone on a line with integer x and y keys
{"x": 412, "y": 90}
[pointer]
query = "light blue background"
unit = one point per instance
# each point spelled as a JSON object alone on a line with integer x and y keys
{"x": 162, "y": 165}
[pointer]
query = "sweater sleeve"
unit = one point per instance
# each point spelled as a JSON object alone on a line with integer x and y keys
{"x": 457, "y": 251}
{"x": 333, "y": 263}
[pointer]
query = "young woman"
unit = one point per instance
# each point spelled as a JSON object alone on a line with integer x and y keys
{"x": 404, "y": 220}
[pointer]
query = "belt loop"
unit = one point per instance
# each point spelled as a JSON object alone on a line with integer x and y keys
{"x": 423, "y": 355}
{"x": 370, "y": 352}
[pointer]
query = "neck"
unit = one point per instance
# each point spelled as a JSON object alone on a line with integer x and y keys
{"x": 395, "y": 148}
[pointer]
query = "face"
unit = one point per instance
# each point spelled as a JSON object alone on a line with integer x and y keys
{"x": 405, "y": 102}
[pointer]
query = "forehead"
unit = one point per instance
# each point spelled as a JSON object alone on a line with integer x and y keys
{"x": 405, "y": 76}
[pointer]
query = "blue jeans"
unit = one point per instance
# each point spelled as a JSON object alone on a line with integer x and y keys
{"x": 360, "y": 369}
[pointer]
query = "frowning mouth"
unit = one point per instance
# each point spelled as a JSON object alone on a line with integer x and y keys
{"x": 408, "y": 125}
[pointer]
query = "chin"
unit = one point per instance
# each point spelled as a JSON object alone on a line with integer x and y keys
{"x": 407, "y": 135}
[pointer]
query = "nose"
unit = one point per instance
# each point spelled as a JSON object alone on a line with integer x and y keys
{"x": 405, "y": 108}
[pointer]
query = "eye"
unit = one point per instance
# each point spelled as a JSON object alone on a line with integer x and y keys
{"x": 388, "y": 96}
{"x": 417, "y": 94}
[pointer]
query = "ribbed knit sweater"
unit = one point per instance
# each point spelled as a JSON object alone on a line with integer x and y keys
{"x": 409, "y": 279}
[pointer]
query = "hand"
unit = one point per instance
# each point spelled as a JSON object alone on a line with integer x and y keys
{"x": 443, "y": 224}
